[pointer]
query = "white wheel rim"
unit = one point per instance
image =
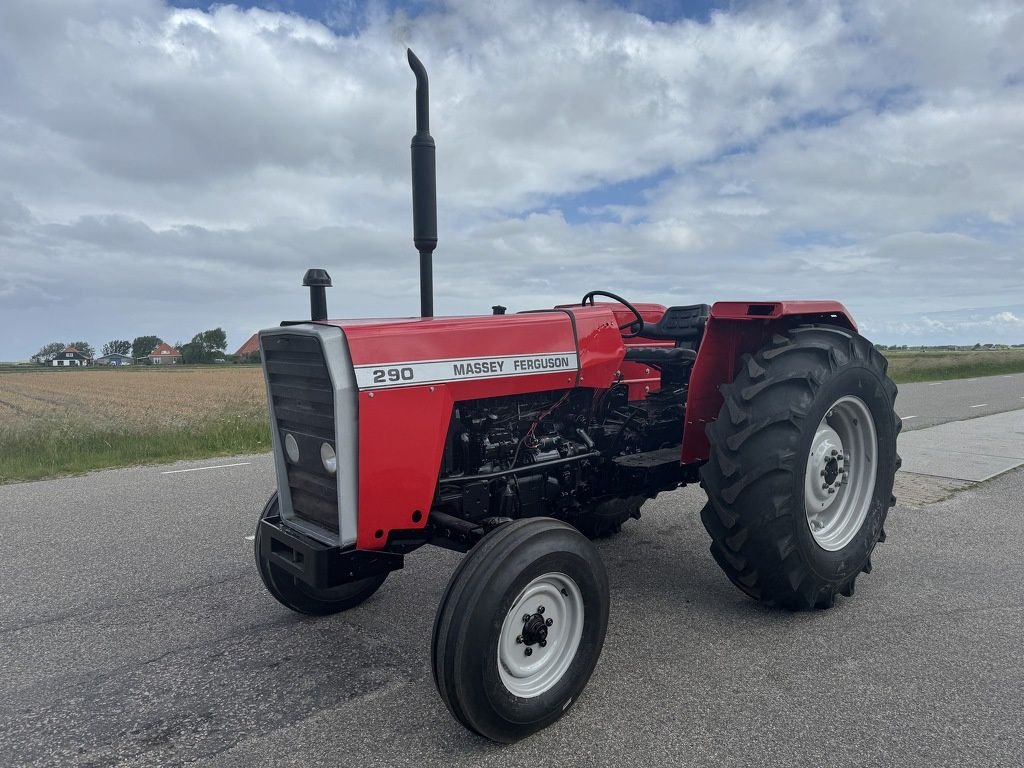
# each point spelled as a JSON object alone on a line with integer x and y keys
{"x": 530, "y": 661}
{"x": 839, "y": 482}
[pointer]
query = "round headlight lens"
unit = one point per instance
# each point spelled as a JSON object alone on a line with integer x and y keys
{"x": 291, "y": 448}
{"x": 329, "y": 459}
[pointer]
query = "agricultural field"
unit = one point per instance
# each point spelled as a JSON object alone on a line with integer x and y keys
{"x": 67, "y": 421}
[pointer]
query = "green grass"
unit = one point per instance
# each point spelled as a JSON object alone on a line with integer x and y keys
{"x": 906, "y": 366}
{"x": 77, "y": 448}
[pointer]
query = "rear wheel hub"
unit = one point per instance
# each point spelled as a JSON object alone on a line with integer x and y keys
{"x": 839, "y": 482}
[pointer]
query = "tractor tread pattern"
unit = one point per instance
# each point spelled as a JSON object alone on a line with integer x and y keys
{"x": 749, "y": 512}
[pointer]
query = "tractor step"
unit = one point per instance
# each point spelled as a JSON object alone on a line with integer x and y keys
{"x": 660, "y": 458}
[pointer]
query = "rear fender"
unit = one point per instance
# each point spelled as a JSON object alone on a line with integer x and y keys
{"x": 736, "y": 328}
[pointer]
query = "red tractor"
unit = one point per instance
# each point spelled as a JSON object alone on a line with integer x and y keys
{"x": 517, "y": 438}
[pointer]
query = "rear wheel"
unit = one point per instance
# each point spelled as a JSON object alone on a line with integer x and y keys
{"x": 520, "y": 628}
{"x": 800, "y": 475}
{"x": 301, "y": 597}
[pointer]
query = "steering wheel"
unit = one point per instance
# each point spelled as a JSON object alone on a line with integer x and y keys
{"x": 635, "y": 327}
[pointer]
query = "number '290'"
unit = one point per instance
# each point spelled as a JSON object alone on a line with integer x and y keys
{"x": 392, "y": 375}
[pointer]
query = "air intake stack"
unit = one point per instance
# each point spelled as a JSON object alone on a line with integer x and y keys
{"x": 424, "y": 188}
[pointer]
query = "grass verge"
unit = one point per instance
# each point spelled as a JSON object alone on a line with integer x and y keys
{"x": 906, "y": 367}
{"x": 77, "y": 448}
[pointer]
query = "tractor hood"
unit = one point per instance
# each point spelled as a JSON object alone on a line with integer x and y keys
{"x": 546, "y": 349}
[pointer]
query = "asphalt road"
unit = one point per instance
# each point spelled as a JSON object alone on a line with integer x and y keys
{"x": 936, "y": 402}
{"x": 135, "y": 631}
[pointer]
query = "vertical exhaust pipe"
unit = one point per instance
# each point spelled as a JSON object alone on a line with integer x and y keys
{"x": 318, "y": 281}
{"x": 424, "y": 188}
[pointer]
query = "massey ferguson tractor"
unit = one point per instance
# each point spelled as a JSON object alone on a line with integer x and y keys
{"x": 522, "y": 436}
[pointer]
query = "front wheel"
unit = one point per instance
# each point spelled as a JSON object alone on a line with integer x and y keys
{"x": 800, "y": 475}
{"x": 520, "y": 628}
{"x": 301, "y": 597}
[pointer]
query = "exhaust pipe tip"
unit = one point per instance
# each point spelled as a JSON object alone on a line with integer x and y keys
{"x": 318, "y": 281}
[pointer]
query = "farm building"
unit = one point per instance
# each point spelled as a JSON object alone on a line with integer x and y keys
{"x": 250, "y": 350}
{"x": 70, "y": 357}
{"x": 164, "y": 354}
{"x": 115, "y": 358}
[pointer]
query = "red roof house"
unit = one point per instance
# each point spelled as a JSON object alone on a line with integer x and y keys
{"x": 250, "y": 348}
{"x": 164, "y": 354}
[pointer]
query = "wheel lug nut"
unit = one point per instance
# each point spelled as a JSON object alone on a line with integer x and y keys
{"x": 526, "y": 617}
{"x": 549, "y": 622}
{"x": 831, "y": 490}
{"x": 528, "y": 651}
{"x": 543, "y": 643}
{"x": 835, "y": 452}
{"x": 519, "y": 640}
{"x": 540, "y": 609}
{"x": 823, "y": 473}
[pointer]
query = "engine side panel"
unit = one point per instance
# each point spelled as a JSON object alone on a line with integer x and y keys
{"x": 735, "y": 328}
{"x": 411, "y": 372}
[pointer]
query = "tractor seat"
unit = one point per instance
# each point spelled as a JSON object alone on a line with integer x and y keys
{"x": 680, "y": 324}
{"x": 661, "y": 356}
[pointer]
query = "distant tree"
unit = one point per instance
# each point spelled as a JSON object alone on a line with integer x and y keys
{"x": 204, "y": 347}
{"x": 143, "y": 345}
{"x": 190, "y": 353}
{"x": 213, "y": 341}
{"x": 45, "y": 355}
{"x": 84, "y": 347}
{"x": 117, "y": 347}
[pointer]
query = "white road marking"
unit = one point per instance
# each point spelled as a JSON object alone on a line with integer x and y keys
{"x": 979, "y": 405}
{"x": 200, "y": 469}
{"x": 907, "y": 418}
{"x": 250, "y": 538}
{"x": 935, "y": 383}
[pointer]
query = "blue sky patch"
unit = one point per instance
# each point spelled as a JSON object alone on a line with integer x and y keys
{"x": 595, "y": 204}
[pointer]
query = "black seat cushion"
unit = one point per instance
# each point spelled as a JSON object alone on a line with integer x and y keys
{"x": 680, "y": 324}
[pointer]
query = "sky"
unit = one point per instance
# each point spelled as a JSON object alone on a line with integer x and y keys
{"x": 165, "y": 169}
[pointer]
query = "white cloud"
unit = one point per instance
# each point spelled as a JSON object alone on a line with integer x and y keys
{"x": 180, "y": 168}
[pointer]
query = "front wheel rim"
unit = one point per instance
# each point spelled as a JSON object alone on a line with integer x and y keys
{"x": 839, "y": 482}
{"x": 540, "y": 635}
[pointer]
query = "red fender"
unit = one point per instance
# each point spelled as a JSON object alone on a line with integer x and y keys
{"x": 736, "y": 328}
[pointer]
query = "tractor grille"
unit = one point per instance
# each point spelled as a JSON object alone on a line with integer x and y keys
{"x": 303, "y": 406}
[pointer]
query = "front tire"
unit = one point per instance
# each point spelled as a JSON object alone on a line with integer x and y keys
{"x": 301, "y": 597}
{"x": 800, "y": 474}
{"x": 520, "y": 627}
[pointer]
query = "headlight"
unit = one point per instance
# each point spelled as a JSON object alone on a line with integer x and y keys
{"x": 291, "y": 448}
{"x": 329, "y": 459}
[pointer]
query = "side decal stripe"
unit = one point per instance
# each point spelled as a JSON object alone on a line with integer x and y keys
{"x": 418, "y": 372}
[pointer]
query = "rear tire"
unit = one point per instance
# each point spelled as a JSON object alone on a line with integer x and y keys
{"x": 520, "y": 627}
{"x": 298, "y": 595}
{"x": 800, "y": 473}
